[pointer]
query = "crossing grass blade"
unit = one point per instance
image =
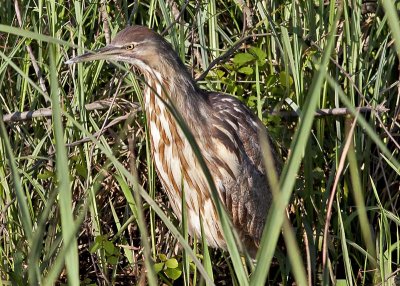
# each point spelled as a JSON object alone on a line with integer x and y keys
{"x": 64, "y": 184}
{"x": 19, "y": 191}
{"x": 151, "y": 275}
{"x": 290, "y": 239}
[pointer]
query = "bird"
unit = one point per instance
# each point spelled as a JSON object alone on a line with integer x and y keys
{"x": 226, "y": 132}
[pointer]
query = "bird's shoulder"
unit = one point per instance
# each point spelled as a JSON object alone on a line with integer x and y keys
{"x": 226, "y": 104}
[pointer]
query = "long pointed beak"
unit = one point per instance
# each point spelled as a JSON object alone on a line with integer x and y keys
{"x": 101, "y": 54}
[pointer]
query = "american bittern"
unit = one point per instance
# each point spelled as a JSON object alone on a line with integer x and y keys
{"x": 225, "y": 130}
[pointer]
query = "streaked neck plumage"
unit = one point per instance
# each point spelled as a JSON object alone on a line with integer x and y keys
{"x": 179, "y": 91}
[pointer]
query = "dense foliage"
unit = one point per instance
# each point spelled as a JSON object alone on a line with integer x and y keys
{"x": 79, "y": 198}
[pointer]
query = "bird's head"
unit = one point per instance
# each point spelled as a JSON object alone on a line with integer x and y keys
{"x": 141, "y": 47}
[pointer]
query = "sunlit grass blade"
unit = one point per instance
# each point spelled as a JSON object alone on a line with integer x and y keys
{"x": 164, "y": 9}
{"x": 185, "y": 234}
{"x": 34, "y": 35}
{"x": 202, "y": 38}
{"x": 206, "y": 254}
{"x": 393, "y": 21}
{"x": 64, "y": 189}
{"x": 213, "y": 28}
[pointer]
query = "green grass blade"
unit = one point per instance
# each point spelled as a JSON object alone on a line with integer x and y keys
{"x": 64, "y": 184}
{"x": 206, "y": 254}
{"x": 393, "y": 21}
{"x": 19, "y": 192}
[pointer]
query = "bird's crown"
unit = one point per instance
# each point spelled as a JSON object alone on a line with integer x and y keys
{"x": 135, "y": 34}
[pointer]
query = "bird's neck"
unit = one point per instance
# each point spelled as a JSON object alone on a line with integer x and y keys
{"x": 173, "y": 93}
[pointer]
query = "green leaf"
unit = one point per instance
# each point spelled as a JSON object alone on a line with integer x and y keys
{"x": 242, "y": 58}
{"x": 171, "y": 263}
{"x": 158, "y": 266}
{"x": 100, "y": 239}
{"x": 109, "y": 247}
{"x": 81, "y": 170}
{"x": 246, "y": 70}
{"x": 341, "y": 282}
{"x": 94, "y": 247}
{"x": 219, "y": 73}
{"x": 259, "y": 54}
{"x": 285, "y": 79}
{"x": 113, "y": 260}
{"x": 162, "y": 257}
{"x": 45, "y": 175}
{"x": 173, "y": 273}
{"x": 192, "y": 267}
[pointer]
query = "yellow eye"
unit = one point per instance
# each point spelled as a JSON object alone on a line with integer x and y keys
{"x": 129, "y": 47}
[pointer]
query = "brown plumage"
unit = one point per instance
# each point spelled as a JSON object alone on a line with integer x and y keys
{"x": 225, "y": 130}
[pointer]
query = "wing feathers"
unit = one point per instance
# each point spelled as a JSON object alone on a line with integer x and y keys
{"x": 246, "y": 195}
